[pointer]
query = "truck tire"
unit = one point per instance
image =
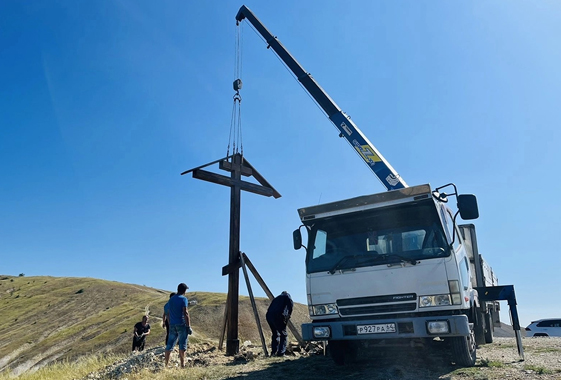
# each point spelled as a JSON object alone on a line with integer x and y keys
{"x": 342, "y": 352}
{"x": 464, "y": 350}
{"x": 479, "y": 327}
{"x": 488, "y": 328}
{"x": 337, "y": 351}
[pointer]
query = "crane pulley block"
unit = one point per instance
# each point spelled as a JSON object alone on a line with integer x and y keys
{"x": 237, "y": 85}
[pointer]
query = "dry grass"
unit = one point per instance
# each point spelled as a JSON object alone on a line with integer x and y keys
{"x": 65, "y": 370}
{"x": 49, "y": 319}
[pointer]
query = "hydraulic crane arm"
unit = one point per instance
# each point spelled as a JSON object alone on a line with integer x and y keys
{"x": 373, "y": 158}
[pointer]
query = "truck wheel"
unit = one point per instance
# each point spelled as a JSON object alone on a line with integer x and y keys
{"x": 464, "y": 350}
{"x": 489, "y": 328}
{"x": 479, "y": 327}
{"x": 337, "y": 349}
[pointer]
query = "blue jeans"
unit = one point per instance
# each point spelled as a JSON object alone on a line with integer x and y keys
{"x": 177, "y": 333}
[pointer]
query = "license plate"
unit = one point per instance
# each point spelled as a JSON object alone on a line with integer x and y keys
{"x": 376, "y": 329}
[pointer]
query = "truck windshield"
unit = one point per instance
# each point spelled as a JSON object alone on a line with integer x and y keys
{"x": 404, "y": 233}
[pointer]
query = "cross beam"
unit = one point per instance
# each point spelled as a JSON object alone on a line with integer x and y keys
{"x": 226, "y": 181}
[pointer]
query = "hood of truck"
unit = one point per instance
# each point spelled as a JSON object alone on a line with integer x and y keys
{"x": 397, "y": 287}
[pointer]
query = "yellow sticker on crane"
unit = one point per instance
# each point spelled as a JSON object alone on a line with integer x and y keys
{"x": 367, "y": 153}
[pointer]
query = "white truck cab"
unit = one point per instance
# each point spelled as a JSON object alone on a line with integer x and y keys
{"x": 388, "y": 266}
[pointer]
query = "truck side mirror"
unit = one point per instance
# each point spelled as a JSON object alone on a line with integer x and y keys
{"x": 297, "y": 239}
{"x": 467, "y": 205}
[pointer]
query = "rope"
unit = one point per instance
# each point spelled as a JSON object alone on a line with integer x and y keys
{"x": 235, "y": 135}
{"x": 231, "y": 127}
{"x": 240, "y": 125}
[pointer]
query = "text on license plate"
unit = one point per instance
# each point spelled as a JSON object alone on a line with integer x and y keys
{"x": 376, "y": 329}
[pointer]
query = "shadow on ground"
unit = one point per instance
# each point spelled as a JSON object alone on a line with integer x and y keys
{"x": 403, "y": 363}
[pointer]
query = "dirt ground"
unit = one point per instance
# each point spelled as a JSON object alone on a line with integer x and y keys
{"x": 499, "y": 360}
{"x": 542, "y": 358}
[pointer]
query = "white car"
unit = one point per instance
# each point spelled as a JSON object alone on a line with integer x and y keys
{"x": 544, "y": 327}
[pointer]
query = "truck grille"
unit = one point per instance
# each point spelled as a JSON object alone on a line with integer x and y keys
{"x": 410, "y": 306}
{"x": 377, "y": 299}
{"x": 378, "y": 304}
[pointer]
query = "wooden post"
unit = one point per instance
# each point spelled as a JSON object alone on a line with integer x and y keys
{"x": 254, "y": 306}
{"x": 271, "y": 296}
{"x": 224, "y": 324}
{"x": 232, "y": 341}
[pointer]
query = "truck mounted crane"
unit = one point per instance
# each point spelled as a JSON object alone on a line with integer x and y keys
{"x": 394, "y": 267}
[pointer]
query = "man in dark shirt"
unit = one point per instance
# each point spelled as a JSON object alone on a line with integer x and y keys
{"x": 278, "y": 314}
{"x": 141, "y": 329}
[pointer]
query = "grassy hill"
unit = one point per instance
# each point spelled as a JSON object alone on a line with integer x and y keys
{"x": 46, "y": 319}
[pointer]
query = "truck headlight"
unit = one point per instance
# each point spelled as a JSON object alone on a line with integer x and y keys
{"x": 321, "y": 332}
{"x": 438, "y": 327}
{"x": 437, "y": 300}
{"x": 326, "y": 309}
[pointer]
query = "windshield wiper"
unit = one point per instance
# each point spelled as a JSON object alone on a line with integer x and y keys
{"x": 386, "y": 257}
{"x": 340, "y": 262}
{"x": 362, "y": 259}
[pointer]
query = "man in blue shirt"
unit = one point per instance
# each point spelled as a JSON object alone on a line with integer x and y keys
{"x": 179, "y": 323}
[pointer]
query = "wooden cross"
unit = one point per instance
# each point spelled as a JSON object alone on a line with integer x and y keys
{"x": 237, "y": 165}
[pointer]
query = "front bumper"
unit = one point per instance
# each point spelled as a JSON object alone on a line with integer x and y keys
{"x": 405, "y": 328}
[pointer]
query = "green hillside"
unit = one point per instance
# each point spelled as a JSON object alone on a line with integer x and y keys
{"x": 46, "y": 319}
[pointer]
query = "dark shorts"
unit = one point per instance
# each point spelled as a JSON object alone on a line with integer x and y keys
{"x": 138, "y": 342}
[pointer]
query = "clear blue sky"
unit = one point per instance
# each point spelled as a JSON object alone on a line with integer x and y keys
{"x": 104, "y": 104}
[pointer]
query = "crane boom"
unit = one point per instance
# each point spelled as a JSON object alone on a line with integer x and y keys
{"x": 347, "y": 128}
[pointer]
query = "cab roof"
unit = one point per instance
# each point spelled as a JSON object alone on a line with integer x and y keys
{"x": 366, "y": 202}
